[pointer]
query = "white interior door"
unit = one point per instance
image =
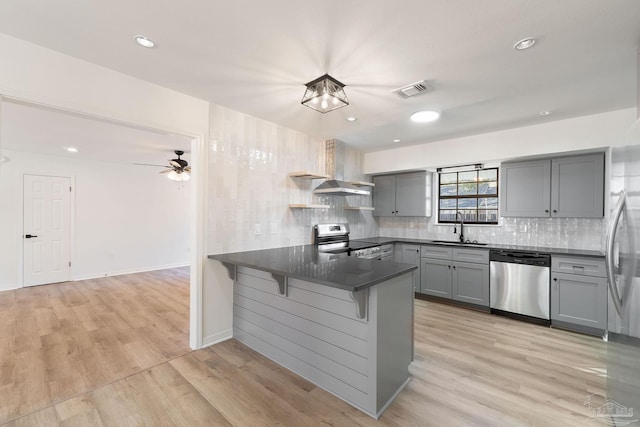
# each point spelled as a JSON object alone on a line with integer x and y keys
{"x": 46, "y": 232}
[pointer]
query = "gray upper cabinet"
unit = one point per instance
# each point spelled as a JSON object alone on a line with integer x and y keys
{"x": 578, "y": 186}
{"x": 559, "y": 187}
{"x": 406, "y": 194}
{"x": 526, "y": 189}
{"x": 384, "y": 195}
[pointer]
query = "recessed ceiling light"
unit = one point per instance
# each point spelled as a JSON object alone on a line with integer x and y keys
{"x": 425, "y": 116}
{"x": 525, "y": 43}
{"x": 72, "y": 149}
{"x": 144, "y": 42}
{"x": 351, "y": 119}
{"x": 544, "y": 113}
{"x": 396, "y": 140}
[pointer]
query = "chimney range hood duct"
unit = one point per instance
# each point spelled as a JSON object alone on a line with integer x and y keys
{"x": 335, "y": 155}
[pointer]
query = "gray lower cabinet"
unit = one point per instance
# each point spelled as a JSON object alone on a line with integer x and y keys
{"x": 386, "y": 252}
{"x": 471, "y": 283}
{"x": 461, "y": 274}
{"x": 571, "y": 187}
{"x": 435, "y": 277}
{"x": 579, "y": 294}
{"x": 410, "y": 254}
{"x": 407, "y": 194}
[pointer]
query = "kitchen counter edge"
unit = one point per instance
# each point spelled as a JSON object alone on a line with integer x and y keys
{"x": 538, "y": 249}
{"x": 278, "y": 261}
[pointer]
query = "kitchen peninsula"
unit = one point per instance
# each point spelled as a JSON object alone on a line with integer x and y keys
{"x": 343, "y": 323}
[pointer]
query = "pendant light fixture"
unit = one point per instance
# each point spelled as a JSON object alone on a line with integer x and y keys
{"x": 325, "y": 94}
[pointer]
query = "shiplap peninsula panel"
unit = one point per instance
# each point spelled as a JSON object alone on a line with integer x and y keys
{"x": 314, "y": 330}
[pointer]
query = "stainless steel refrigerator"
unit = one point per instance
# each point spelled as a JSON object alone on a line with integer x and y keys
{"x": 623, "y": 347}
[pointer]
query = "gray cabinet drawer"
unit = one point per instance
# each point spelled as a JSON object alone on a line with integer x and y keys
{"x": 480, "y": 256}
{"x": 438, "y": 252}
{"x": 576, "y": 265}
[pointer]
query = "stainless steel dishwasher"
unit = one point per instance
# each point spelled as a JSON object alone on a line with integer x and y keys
{"x": 519, "y": 283}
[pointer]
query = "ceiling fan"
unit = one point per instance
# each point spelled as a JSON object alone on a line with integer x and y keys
{"x": 178, "y": 169}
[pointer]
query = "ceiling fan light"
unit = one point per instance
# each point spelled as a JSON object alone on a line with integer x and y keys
{"x": 325, "y": 94}
{"x": 178, "y": 176}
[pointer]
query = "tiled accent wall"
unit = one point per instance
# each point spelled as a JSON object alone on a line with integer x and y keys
{"x": 249, "y": 184}
{"x": 249, "y": 164}
{"x": 575, "y": 233}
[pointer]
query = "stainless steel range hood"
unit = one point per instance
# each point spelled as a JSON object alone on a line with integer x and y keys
{"x": 339, "y": 188}
{"x": 335, "y": 167}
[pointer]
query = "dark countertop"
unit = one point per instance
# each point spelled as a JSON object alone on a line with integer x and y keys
{"x": 539, "y": 249}
{"x": 306, "y": 263}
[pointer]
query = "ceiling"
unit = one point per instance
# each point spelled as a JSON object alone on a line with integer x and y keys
{"x": 255, "y": 57}
{"x": 34, "y": 129}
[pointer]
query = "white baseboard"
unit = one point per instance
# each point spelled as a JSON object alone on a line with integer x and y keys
{"x": 130, "y": 271}
{"x": 217, "y": 337}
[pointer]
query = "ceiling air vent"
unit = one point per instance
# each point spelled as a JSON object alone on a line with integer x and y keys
{"x": 417, "y": 88}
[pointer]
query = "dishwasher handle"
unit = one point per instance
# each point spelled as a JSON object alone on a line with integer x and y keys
{"x": 519, "y": 257}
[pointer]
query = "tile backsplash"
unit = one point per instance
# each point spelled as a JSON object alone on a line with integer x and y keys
{"x": 575, "y": 233}
{"x": 250, "y": 191}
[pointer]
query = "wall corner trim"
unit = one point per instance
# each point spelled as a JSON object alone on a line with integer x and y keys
{"x": 216, "y": 338}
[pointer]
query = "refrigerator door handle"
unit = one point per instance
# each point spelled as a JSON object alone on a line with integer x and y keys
{"x": 609, "y": 255}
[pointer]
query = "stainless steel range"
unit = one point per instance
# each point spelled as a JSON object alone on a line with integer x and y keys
{"x": 334, "y": 239}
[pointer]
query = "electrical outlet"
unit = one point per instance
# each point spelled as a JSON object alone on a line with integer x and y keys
{"x": 258, "y": 229}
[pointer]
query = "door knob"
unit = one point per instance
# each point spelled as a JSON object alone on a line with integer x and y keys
{"x": 29, "y": 236}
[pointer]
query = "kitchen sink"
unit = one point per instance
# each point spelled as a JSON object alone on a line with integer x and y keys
{"x": 457, "y": 242}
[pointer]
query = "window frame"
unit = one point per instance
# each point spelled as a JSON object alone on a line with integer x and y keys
{"x": 474, "y": 196}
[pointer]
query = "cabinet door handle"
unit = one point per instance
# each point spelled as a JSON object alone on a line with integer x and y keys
{"x": 555, "y": 211}
{"x": 454, "y": 267}
{"x": 449, "y": 267}
{"x": 555, "y": 279}
{"x": 546, "y": 210}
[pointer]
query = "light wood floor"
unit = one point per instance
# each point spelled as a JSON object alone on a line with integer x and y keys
{"x": 114, "y": 352}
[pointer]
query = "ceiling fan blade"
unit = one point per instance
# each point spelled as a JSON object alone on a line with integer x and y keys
{"x": 187, "y": 169}
{"x": 166, "y": 171}
{"x": 175, "y": 164}
{"x": 148, "y": 164}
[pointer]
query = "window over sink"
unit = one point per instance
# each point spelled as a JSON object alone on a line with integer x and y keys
{"x": 472, "y": 193}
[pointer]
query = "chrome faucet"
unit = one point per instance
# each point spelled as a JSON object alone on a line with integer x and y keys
{"x": 461, "y": 227}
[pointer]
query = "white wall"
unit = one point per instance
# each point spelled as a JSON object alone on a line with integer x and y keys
{"x": 580, "y": 133}
{"x": 127, "y": 217}
{"x": 43, "y": 76}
